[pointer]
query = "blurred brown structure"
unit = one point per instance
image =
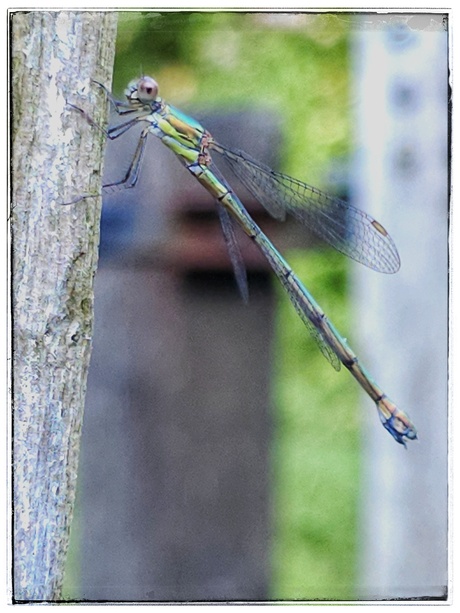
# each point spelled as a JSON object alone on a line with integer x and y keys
{"x": 175, "y": 496}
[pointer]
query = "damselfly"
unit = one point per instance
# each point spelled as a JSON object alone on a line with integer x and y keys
{"x": 348, "y": 229}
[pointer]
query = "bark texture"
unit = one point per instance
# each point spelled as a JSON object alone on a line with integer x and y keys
{"x": 55, "y": 155}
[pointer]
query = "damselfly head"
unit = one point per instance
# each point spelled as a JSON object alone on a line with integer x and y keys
{"x": 144, "y": 90}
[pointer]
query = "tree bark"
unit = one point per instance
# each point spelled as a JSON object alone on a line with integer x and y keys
{"x": 55, "y": 156}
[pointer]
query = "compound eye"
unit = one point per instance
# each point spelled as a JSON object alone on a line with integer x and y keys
{"x": 147, "y": 89}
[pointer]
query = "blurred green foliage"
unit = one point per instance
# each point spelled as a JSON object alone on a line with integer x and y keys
{"x": 296, "y": 65}
{"x": 316, "y": 452}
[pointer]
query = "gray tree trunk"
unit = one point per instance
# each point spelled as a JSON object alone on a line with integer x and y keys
{"x": 54, "y": 255}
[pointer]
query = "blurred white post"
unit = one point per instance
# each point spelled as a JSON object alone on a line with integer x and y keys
{"x": 401, "y": 178}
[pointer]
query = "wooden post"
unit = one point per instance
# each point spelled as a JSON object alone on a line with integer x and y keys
{"x": 54, "y": 255}
{"x": 402, "y": 179}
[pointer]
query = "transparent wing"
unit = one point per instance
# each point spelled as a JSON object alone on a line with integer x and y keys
{"x": 346, "y": 228}
{"x": 234, "y": 252}
{"x": 290, "y": 283}
{"x": 296, "y": 299}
